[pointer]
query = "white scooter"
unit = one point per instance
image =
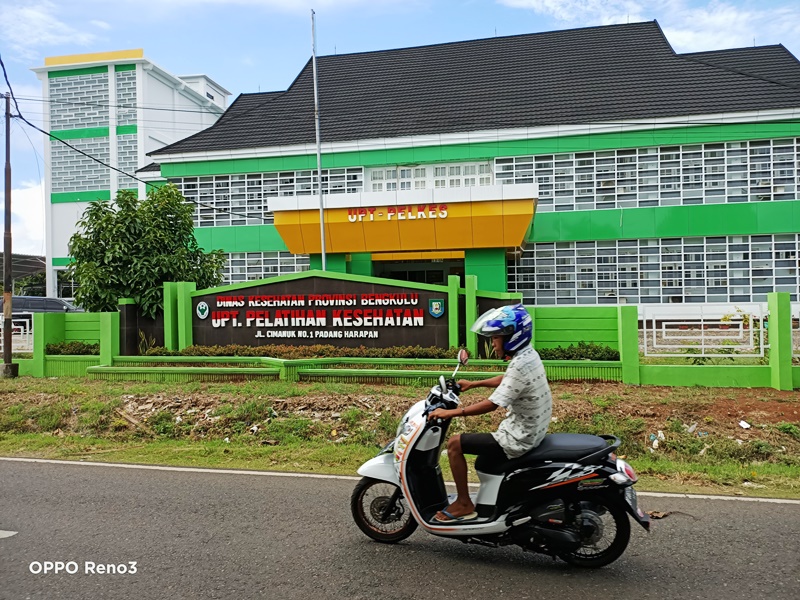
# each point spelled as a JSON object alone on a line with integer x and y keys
{"x": 568, "y": 497}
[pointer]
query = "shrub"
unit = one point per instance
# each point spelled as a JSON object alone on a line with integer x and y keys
{"x": 72, "y": 348}
{"x": 583, "y": 351}
{"x": 251, "y": 411}
{"x": 290, "y": 430}
{"x": 789, "y": 429}
{"x": 314, "y": 351}
{"x": 163, "y": 423}
{"x": 50, "y": 418}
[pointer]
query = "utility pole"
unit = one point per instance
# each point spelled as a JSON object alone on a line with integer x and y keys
{"x": 9, "y": 368}
{"x": 319, "y": 143}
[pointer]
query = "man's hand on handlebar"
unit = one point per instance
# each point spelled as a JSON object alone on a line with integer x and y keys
{"x": 465, "y": 384}
{"x": 443, "y": 413}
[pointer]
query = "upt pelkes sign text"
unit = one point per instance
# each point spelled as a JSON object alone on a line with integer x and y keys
{"x": 385, "y": 318}
{"x": 397, "y": 213}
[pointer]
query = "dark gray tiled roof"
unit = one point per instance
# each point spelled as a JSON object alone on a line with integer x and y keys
{"x": 774, "y": 63}
{"x": 152, "y": 167}
{"x": 598, "y": 74}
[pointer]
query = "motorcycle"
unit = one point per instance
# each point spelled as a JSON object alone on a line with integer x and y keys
{"x": 569, "y": 497}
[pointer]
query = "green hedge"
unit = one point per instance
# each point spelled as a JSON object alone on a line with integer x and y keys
{"x": 582, "y": 351}
{"x": 73, "y": 349}
{"x": 315, "y": 351}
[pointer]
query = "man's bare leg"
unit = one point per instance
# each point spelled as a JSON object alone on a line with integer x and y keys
{"x": 458, "y": 465}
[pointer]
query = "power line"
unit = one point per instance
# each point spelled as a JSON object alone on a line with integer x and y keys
{"x": 109, "y": 105}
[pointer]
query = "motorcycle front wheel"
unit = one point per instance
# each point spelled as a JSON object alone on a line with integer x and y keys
{"x": 604, "y": 530}
{"x": 380, "y": 511}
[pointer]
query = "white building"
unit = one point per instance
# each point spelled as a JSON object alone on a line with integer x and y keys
{"x": 116, "y": 106}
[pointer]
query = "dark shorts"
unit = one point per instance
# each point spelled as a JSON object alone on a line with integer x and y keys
{"x": 482, "y": 444}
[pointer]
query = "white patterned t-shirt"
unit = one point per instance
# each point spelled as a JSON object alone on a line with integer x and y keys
{"x": 525, "y": 394}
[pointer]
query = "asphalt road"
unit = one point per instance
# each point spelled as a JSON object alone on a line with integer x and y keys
{"x": 213, "y": 535}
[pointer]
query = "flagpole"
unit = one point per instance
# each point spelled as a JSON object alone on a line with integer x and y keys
{"x": 319, "y": 146}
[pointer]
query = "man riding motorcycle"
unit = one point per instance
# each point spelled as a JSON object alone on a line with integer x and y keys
{"x": 523, "y": 391}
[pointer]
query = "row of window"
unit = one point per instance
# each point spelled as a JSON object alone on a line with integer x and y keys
{"x": 709, "y": 269}
{"x": 224, "y": 200}
{"x": 712, "y": 173}
{"x": 431, "y": 177}
{"x": 248, "y": 266}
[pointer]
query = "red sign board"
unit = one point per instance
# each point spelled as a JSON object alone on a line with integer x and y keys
{"x": 317, "y": 310}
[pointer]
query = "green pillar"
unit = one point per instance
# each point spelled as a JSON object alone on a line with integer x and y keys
{"x": 48, "y": 328}
{"x": 170, "y": 315}
{"x": 335, "y": 263}
{"x": 489, "y": 266}
{"x": 360, "y": 264}
{"x": 453, "y": 285}
{"x": 109, "y": 338}
{"x": 628, "y": 332}
{"x": 780, "y": 340}
{"x": 471, "y": 312}
{"x": 184, "y": 313}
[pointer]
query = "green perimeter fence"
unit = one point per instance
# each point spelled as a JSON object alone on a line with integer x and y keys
{"x": 615, "y": 326}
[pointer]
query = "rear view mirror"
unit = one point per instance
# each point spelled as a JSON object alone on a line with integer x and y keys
{"x": 463, "y": 357}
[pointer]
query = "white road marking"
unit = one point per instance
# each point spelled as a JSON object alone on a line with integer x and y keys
{"x": 349, "y": 478}
{"x": 5, "y": 534}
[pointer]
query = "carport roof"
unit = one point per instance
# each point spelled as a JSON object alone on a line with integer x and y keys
{"x": 23, "y": 265}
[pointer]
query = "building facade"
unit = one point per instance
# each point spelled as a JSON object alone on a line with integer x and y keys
{"x": 587, "y": 166}
{"x": 117, "y": 107}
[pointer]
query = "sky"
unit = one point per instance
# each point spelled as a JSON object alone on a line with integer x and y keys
{"x": 261, "y": 45}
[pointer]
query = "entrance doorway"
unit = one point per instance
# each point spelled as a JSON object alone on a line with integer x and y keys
{"x": 434, "y": 272}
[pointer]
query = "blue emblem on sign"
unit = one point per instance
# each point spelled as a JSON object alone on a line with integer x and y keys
{"x": 436, "y": 308}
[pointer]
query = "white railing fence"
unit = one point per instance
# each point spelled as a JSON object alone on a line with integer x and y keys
{"x": 707, "y": 330}
{"x": 796, "y": 330}
{"x": 21, "y": 333}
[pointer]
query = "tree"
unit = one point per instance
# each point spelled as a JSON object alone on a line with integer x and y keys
{"x": 127, "y": 248}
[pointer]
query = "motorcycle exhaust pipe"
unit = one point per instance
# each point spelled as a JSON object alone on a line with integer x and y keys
{"x": 557, "y": 540}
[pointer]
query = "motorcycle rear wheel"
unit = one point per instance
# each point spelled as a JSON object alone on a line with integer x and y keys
{"x": 605, "y": 533}
{"x": 368, "y": 504}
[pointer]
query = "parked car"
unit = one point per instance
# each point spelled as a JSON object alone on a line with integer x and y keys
{"x": 22, "y": 307}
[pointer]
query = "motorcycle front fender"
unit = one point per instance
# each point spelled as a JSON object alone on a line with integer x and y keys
{"x": 381, "y": 467}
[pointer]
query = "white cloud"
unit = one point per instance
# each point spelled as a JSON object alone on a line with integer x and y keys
{"x": 588, "y": 12}
{"x": 26, "y": 26}
{"x": 292, "y": 6}
{"x": 689, "y": 26}
{"x": 27, "y": 218}
{"x": 100, "y": 24}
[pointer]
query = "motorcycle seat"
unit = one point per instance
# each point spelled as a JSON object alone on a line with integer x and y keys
{"x": 556, "y": 447}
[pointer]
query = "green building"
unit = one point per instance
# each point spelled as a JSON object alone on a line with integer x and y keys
{"x": 578, "y": 167}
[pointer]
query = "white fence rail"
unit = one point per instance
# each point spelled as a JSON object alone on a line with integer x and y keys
{"x": 709, "y": 330}
{"x": 21, "y": 333}
{"x": 796, "y": 330}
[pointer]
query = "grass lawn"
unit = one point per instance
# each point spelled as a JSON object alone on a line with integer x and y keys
{"x": 334, "y": 428}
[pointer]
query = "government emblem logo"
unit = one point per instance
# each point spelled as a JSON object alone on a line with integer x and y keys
{"x": 202, "y": 310}
{"x": 436, "y": 308}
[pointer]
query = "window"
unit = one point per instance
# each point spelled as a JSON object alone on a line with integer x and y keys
{"x": 745, "y": 171}
{"x": 725, "y": 269}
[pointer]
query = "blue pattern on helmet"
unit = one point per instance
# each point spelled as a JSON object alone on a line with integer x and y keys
{"x": 512, "y": 321}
